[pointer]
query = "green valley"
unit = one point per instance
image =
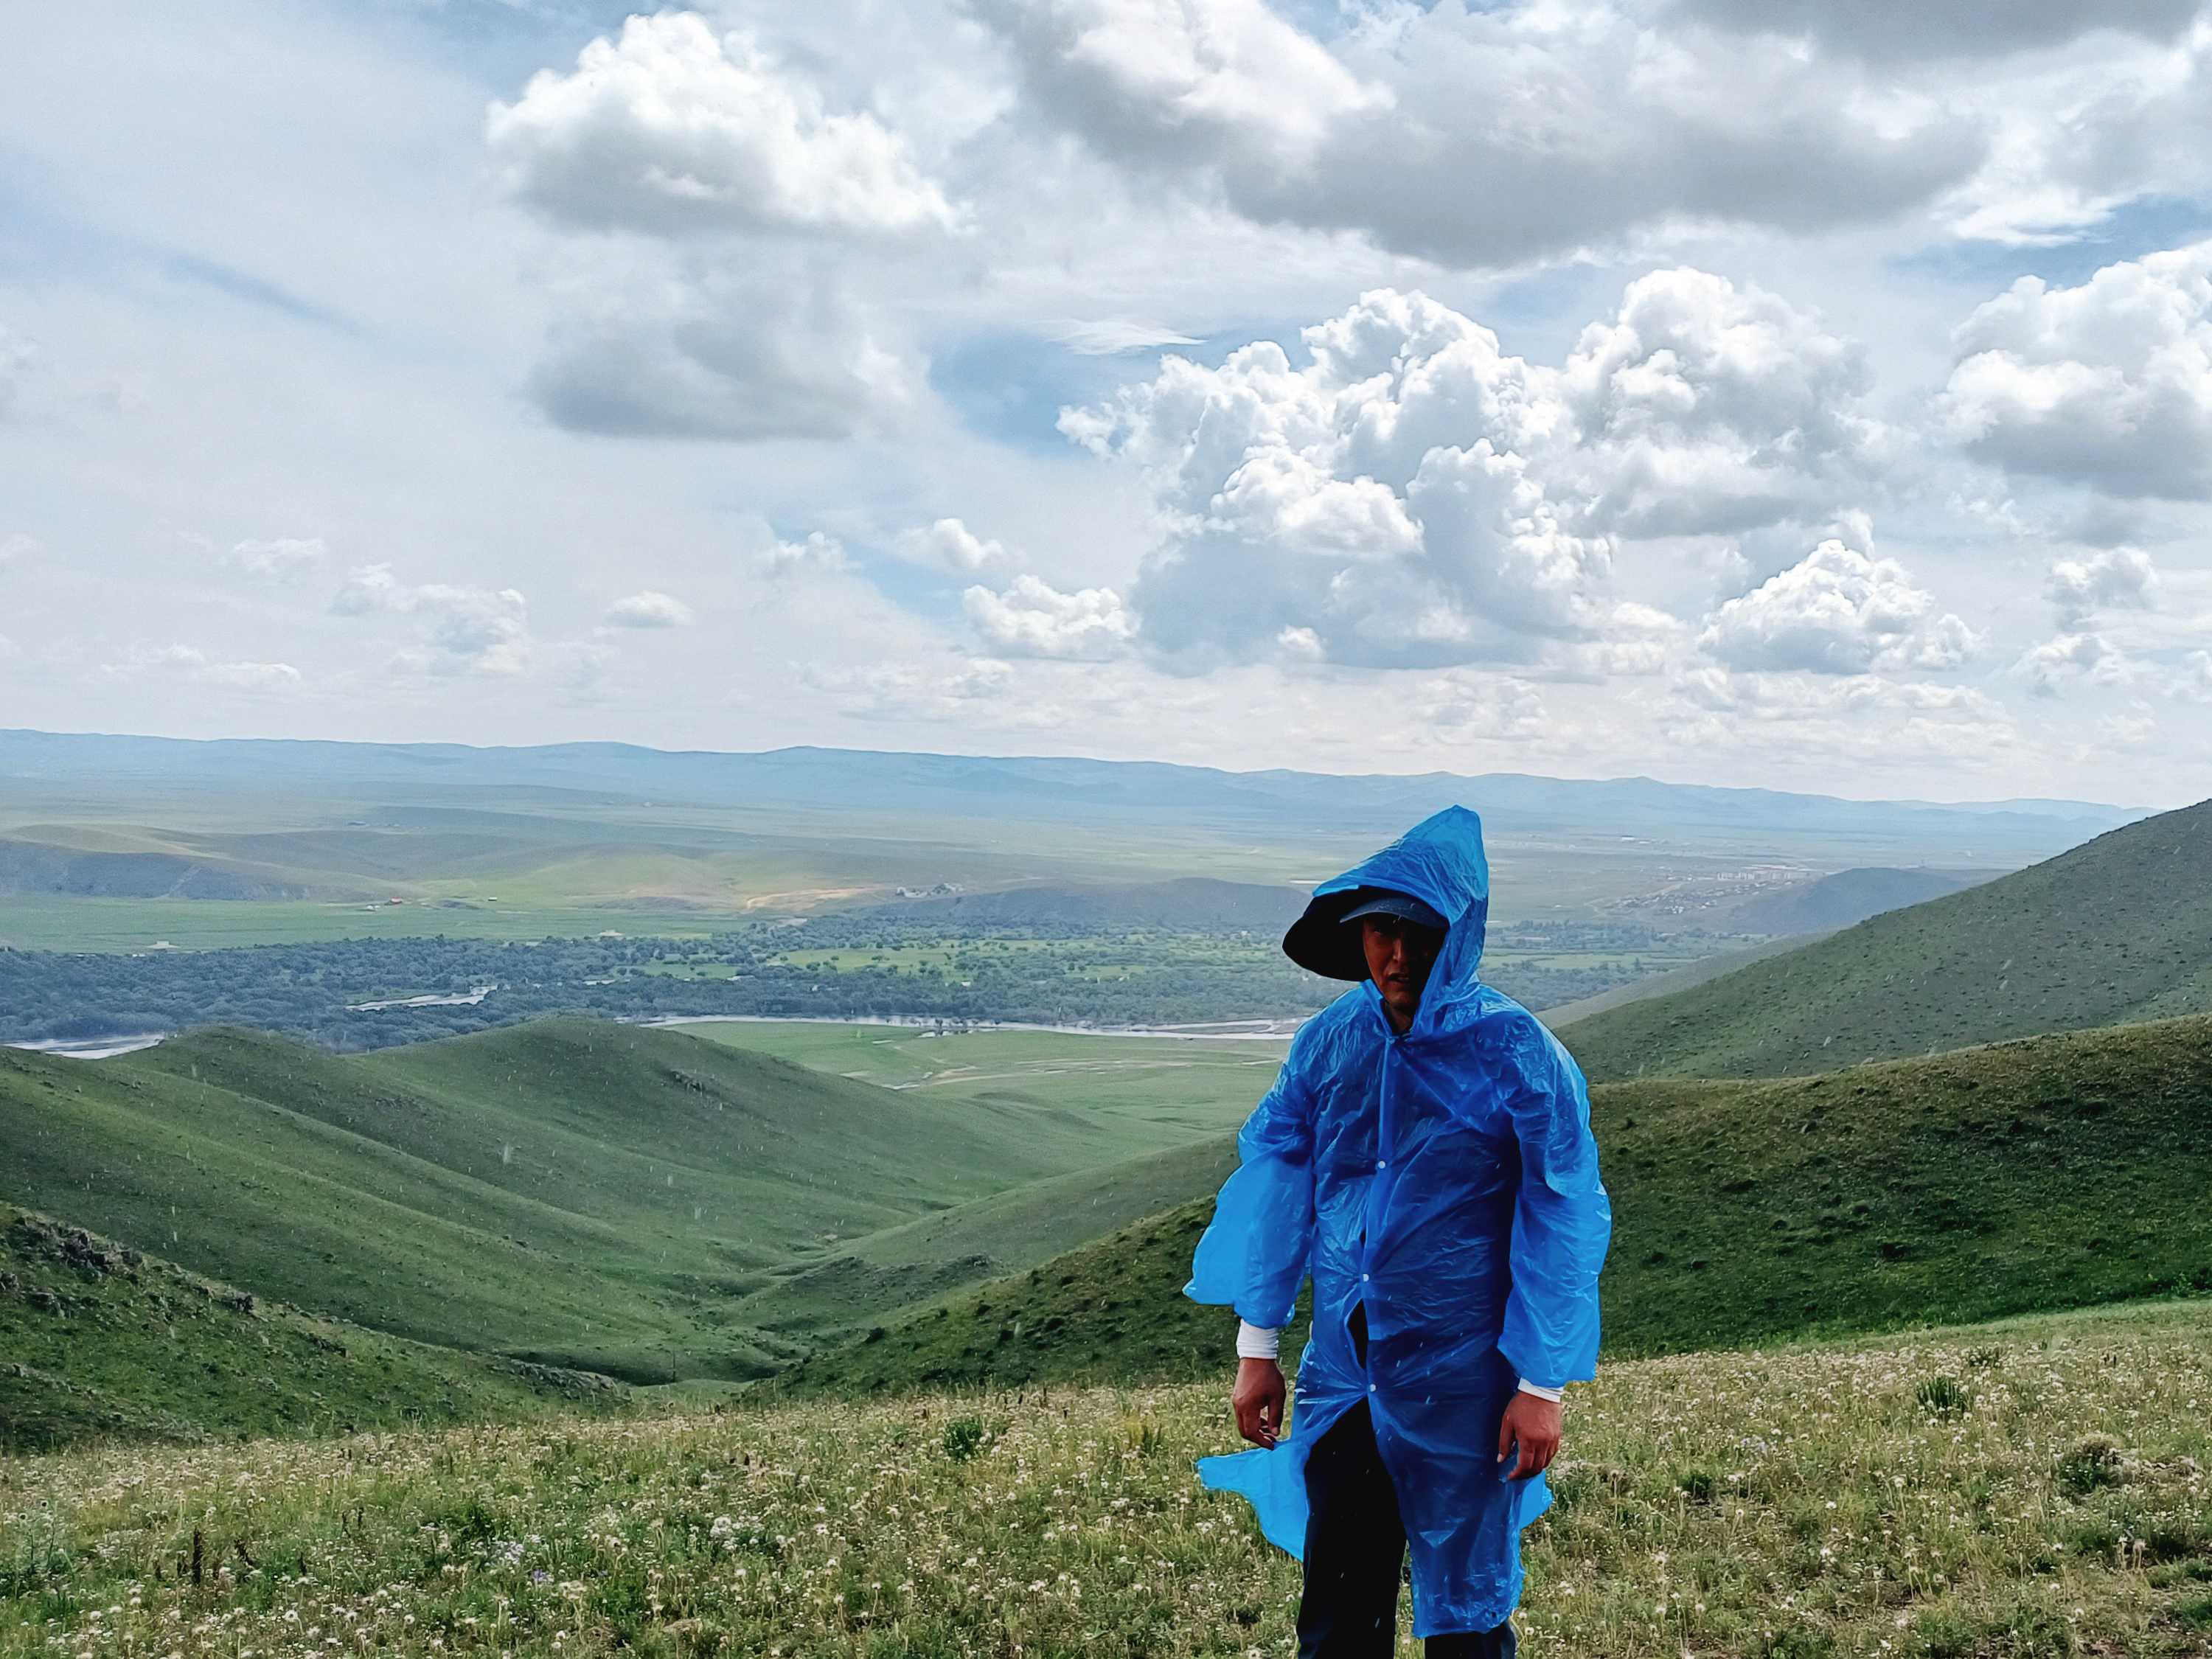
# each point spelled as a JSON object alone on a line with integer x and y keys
{"x": 628, "y": 1200}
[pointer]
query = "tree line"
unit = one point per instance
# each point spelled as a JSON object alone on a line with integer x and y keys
{"x": 1062, "y": 975}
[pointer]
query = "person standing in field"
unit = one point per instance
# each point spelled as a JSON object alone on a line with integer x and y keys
{"x": 1426, "y": 1155}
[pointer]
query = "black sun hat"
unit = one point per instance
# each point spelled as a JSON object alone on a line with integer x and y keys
{"x": 1323, "y": 941}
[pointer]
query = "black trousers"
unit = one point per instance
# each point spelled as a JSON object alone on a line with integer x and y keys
{"x": 1356, "y": 1557}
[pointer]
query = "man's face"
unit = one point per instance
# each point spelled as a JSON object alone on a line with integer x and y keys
{"x": 1399, "y": 955}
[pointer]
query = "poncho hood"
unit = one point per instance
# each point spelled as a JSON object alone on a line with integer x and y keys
{"x": 1440, "y": 861}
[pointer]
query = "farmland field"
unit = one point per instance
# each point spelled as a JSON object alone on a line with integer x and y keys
{"x": 48, "y": 921}
{"x": 2035, "y": 1486}
{"x": 373, "y": 993}
{"x": 115, "y": 843}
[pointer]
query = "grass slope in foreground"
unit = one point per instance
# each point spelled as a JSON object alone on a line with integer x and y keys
{"x": 2117, "y": 930}
{"x": 2051, "y": 1173}
{"x": 2032, "y": 1488}
{"x": 98, "y": 1342}
{"x": 572, "y": 1192}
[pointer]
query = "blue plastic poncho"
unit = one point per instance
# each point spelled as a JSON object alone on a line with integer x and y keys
{"x": 1447, "y": 1179}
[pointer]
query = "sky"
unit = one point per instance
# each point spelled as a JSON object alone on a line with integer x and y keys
{"x": 1814, "y": 394}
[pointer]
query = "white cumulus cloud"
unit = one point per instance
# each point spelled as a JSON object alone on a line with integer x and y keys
{"x": 464, "y": 631}
{"x": 670, "y": 128}
{"x": 910, "y": 690}
{"x": 648, "y": 609}
{"x": 1109, "y": 337}
{"x": 2119, "y": 578}
{"x": 1706, "y": 408}
{"x": 766, "y": 347}
{"x": 1415, "y": 496}
{"x": 1482, "y": 135}
{"x": 18, "y": 356}
{"x": 2195, "y": 681}
{"x": 193, "y": 663}
{"x": 817, "y": 555}
{"x": 951, "y": 543}
{"x": 2108, "y": 384}
{"x": 1033, "y": 619}
{"x": 1464, "y": 703}
{"x": 1895, "y": 30}
{"x": 281, "y": 559}
{"x": 1174, "y": 80}
{"x": 2049, "y": 668}
{"x": 1838, "y": 612}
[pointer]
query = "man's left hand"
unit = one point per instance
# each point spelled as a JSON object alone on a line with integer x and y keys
{"x": 1531, "y": 1428}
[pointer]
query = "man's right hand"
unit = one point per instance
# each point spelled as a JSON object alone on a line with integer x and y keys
{"x": 1259, "y": 1400}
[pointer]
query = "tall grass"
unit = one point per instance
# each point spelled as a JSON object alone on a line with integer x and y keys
{"x": 2051, "y": 1498}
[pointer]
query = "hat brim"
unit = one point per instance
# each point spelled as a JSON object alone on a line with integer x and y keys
{"x": 1320, "y": 943}
{"x": 1404, "y": 905}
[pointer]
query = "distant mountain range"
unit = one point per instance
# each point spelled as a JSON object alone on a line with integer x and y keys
{"x": 1059, "y": 788}
{"x": 2117, "y": 931}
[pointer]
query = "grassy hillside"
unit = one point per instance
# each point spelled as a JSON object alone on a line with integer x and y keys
{"x": 2035, "y": 1488}
{"x": 888, "y": 1273}
{"x": 2120, "y": 929}
{"x": 101, "y": 1342}
{"x": 571, "y": 1192}
{"x": 2046, "y": 1173}
{"x": 1843, "y": 898}
{"x": 1110, "y": 1312}
{"x": 1661, "y": 984}
{"x": 1204, "y": 1086}
{"x": 2051, "y": 1173}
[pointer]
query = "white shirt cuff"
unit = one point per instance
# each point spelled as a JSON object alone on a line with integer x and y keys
{"x": 1555, "y": 1395}
{"x": 1257, "y": 1342}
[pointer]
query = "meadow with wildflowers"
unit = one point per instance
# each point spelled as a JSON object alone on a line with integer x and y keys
{"x": 2037, "y": 1486}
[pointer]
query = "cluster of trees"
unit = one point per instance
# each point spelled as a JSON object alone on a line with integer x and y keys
{"x": 1064, "y": 976}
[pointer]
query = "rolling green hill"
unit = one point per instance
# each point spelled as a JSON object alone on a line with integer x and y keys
{"x": 1110, "y": 1312}
{"x": 1662, "y": 984}
{"x": 901, "y": 1267}
{"x": 633, "y": 1201}
{"x": 1842, "y": 899}
{"x": 2117, "y": 930}
{"x": 2049, "y": 1173}
{"x": 105, "y": 1343}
